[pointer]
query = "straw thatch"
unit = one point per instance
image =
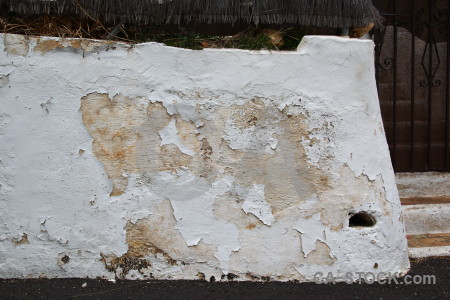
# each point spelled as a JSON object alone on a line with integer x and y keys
{"x": 316, "y": 13}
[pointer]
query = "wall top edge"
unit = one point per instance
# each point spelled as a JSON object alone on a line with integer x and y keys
{"x": 307, "y": 40}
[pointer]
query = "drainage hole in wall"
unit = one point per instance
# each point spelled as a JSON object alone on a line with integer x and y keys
{"x": 361, "y": 219}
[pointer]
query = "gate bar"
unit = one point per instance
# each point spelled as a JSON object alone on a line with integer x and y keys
{"x": 447, "y": 92}
{"x": 413, "y": 70}
{"x": 430, "y": 80}
{"x": 394, "y": 93}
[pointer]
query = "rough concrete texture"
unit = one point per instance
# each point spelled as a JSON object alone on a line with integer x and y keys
{"x": 426, "y": 218}
{"x": 146, "y": 161}
{"x": 427, "y": 184}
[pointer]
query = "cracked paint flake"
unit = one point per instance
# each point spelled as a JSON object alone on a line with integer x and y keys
{"x": 192, "y": 200}
{"x": 256, "y": 204}
{"x": 311, "y": 230}
{"x": 169, "y": 136}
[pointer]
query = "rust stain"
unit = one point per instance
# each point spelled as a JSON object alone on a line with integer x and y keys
{"x": 122, "y": 265}
{"x": 250, "y": 226}
{"x": 324, "y": 180}
{"x": 204, "y": 164}
{"x": 47, "y": 46}
{"x": 76, "y": 43}
{"x": 126, "y": 137}
{"x": 206, "y": 149}
{"x": 157, "y": 235}
{"x": 139, "y": 245}
{"x": 228, "y": 209}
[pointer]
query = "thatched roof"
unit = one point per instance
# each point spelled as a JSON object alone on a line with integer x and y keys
{"x": 316, "y": 13}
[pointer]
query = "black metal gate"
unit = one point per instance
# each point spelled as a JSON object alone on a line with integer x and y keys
{"x": 413, "y": 64}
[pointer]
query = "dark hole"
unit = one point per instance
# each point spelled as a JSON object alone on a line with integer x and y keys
{"x": 361, "y": 219}
{"x": 65, "y": 259}
{"x": 375, "y": 266}
{"x": 212, "y": 279}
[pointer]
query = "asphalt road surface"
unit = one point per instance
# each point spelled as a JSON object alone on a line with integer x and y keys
{"x": 158, "y": 289}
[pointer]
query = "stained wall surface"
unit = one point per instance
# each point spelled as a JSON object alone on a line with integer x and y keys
{"x": 146, "y": 161}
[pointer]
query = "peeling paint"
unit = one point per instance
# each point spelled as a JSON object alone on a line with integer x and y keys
{"x": 255, "y": 203}
{"x": 122, "y": 265}
{"x": 312, "y": 230}
{"x": 155, "y": 162}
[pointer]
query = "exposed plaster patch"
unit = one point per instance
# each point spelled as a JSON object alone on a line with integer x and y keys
{"x": 87, "y": 46}
{"x": 169, "y": 135}
{"x": 22, "y": 240}
{"x": 112, "y": 141}
{"x": 321, "y": 255}
{"x": 229, "y": 209}
{"x": 192, "y": 199}
{"x": 47, "y": 45}
{"x": 312, "y": 230}
{"x": 16, "y": 44}
{"x": 139, "y": 245}
{"x": 251, "y": 128}
{"x": 256, "y": 204}
{"x": 92, "y": 45}
{"x": 115, "y": 126}
{"x": 309, "y": 204}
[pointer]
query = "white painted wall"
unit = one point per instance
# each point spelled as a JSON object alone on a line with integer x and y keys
{"x": 142, "y": 161}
